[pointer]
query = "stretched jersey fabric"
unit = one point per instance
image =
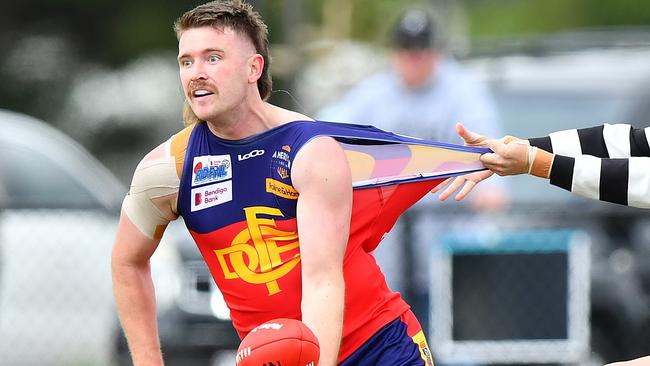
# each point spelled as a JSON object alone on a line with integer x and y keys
{"x": 239, "y": 204}
{"x": 608, "y": 162}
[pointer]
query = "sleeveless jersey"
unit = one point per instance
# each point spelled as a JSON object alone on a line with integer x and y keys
{"x": 239, "y": 204}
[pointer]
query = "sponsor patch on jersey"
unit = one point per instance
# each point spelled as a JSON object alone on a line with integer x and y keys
{"x": 283, "y": 172}
{"x": 280, "y": 189}
{"x": 281, "y": 163}
{"x": 250, "y": 154}
{"x": 283, "y": 156}
{"x": 210, "y": 169}
{"x": 210, "y": 196}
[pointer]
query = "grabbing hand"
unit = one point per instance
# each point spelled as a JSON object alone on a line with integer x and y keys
{"x": 508, "y": 159}
{"x": 467, "y": 181}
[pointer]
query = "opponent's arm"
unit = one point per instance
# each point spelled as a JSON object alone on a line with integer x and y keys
{"x": 146, "y": 211}
{"x": 615, "y": 170}
{"x": 604, "y": 141}
{"x": 322, "y": 177}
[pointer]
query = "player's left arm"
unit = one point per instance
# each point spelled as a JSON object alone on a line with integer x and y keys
{"x": 322, "y": 177}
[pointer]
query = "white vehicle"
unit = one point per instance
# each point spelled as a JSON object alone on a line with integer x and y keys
{"x": 58, "y": 215}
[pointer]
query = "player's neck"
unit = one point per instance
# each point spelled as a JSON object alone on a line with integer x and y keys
{"x": 248, "y": 119}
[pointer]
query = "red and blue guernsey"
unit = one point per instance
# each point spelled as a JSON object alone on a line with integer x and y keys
{"x": 238, "y": 202}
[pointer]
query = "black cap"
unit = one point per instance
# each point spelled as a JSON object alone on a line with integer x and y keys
{"x": 414, "y": 30}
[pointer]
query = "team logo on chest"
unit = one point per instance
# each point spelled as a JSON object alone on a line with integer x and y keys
{"x": 255, "y": 255}
{"x": 210, "y": 169}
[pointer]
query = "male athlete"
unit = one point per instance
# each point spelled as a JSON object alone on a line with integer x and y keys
{"x": 267, "y": 195}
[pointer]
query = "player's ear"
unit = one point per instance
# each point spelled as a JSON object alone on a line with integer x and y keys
{"x": 255, "y": 67}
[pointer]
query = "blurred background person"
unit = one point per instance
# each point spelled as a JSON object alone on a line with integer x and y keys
{"x": 423, "y": 94}
{"x": 425, "y": 91}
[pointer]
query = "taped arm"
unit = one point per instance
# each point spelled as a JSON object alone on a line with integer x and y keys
{"x": 147, "y": 209}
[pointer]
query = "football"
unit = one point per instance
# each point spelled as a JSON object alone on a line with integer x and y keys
{"x": 279, "y": 342}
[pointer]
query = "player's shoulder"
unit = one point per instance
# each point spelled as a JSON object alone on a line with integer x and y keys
{"x": 171, "y": 150}
{"x": 163, "y": 165}
{"x": 178, "y": 146}
{"x": 156, "y": 179}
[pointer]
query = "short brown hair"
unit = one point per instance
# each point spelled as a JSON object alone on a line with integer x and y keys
{"x": 241, "y": 18}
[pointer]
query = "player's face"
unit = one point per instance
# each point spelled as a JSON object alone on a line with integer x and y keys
{"x": 213, "y": 70}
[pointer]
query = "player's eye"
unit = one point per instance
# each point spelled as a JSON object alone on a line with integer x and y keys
{"x": 185, "y": 63}
{"x": 214, "y": 59}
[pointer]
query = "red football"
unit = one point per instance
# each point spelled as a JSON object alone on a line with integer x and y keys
{"x": 279, "y": 342}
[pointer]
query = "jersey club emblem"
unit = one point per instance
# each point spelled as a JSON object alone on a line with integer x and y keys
{"x": 255, "y": 253}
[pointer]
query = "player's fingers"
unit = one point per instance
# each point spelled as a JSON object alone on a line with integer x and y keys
{"x": 453, "y": 187}
{"x": 469, "y": 137}
{"x": 441, "y": 185}
{"x": 469, "y": 185}
{"x": 508, "y": 139}
{"x": 496, "y": 146}
{"x": 478, "y": 177}
{"x": 489, "y": 159}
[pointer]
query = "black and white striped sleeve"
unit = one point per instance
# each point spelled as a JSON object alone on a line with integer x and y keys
{"x": 609, "y": 162}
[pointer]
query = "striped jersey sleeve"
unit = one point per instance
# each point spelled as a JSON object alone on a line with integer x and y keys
{"x": 608, "y": 162}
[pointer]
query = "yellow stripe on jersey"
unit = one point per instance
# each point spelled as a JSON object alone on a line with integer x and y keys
{"x": 425, "y": 351}
{"x": 179, "y": 146}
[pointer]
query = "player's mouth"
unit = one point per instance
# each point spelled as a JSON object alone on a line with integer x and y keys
{"x": 201, "y": 93}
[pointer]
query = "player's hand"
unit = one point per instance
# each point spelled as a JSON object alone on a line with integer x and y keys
{"x": 474, "y": 139}
{"x": 471, "y": 138}
{"x": 465, "y": 182}
{"x": 507, "y": 158}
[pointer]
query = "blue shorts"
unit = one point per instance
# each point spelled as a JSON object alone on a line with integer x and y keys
{"x": 392, "y": 345}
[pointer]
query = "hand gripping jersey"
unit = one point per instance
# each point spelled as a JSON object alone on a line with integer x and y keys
{"x": 238, "y": 202}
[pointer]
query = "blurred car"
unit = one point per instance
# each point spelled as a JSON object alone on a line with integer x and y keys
{"x": 58, "y": 209}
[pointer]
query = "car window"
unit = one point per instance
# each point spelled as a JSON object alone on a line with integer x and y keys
{"x": 31, "y": 179}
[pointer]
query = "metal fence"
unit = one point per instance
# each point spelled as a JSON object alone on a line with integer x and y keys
{"x": 56, "y": 304}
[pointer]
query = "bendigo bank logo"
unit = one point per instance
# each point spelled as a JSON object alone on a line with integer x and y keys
{"x": 255, "y": 254}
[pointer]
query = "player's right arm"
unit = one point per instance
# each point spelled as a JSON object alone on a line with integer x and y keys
{"x": 147, "y": 209}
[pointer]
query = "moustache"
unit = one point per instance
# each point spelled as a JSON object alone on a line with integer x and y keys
{"x": 194, "y": 85}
